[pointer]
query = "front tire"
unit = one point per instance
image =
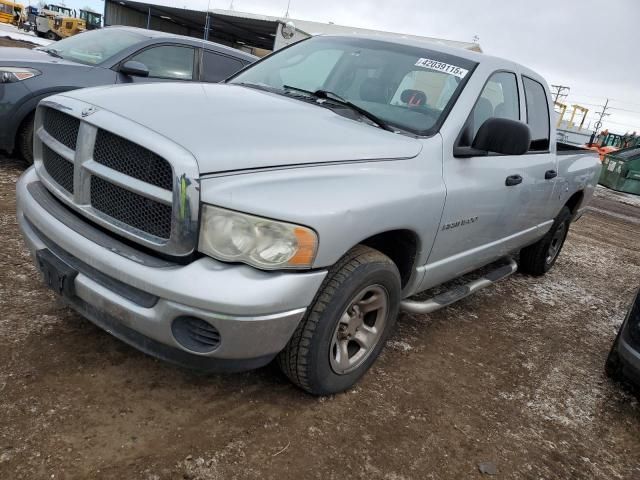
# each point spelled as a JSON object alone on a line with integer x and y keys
{"x": 25, "y": 140}
{"x": 537, "y": 259}
{"x": 347, "y": 325}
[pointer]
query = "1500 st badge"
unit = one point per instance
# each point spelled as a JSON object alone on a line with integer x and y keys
{"x": 459, "y": 223}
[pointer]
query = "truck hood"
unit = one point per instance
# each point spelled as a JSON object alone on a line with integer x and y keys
{"x": 230, "y": 127}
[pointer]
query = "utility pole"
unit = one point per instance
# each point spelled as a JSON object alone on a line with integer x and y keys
{"x": 560, "y": 91}
{"x": 598, "y": 124}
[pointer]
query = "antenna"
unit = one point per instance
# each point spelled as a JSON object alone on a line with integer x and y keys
{"x": 286, "y": 15}
{"x": 231, "y": 5}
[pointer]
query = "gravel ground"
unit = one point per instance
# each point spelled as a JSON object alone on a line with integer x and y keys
{"x": 510, "y": 378}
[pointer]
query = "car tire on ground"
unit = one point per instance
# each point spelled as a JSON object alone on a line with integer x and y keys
{"x": 346, "y": 326}
{"x": 25, "y": 139}
{"x": 537, "y": 259}
{"x": 50, "y": 35}
{"x": 613, "y": 366}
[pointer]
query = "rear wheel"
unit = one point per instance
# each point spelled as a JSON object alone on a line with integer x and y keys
{"x": 50, "y": 35}
{"x": 25, "y": 139}
{"x": 537, "y": 259}
{"x": 346, "y": 327}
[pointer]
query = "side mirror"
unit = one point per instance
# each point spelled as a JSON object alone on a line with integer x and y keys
{"x": 135, "y": 69}
{"x": 498, "y": 135}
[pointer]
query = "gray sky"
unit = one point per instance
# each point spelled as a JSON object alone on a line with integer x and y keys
{"x": 593, "y": 46}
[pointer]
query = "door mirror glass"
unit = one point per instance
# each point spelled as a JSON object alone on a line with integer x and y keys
{"x": 504, "y": 136}
{"x": 135, "y": 69}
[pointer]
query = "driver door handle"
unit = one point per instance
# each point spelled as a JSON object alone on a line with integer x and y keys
{"x": 513, "y": 180}
{"x": 549, "y": 174}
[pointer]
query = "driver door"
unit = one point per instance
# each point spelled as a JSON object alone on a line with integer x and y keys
{"x": 480, "y": 216}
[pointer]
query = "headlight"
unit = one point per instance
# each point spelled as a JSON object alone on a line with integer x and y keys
{"x": 17, "y": 74}
{"x": 236, "y": 237}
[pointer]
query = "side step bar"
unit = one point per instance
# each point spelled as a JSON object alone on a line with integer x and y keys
{"x": 459, "y": 292}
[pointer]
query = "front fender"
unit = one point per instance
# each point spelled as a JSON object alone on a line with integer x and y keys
{"x": 22, "y": 110}
{"x": 345, "y": 204}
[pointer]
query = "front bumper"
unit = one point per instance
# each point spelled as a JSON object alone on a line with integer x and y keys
{"x": 136, "y": 297}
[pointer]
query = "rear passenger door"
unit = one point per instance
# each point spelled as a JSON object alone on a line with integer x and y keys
{"x": 542, "y": 164}
{"x": 166, "y": 63}
{"x": 217, "y": 67}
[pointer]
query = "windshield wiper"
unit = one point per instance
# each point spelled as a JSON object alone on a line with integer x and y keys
{"x": 52, "y": 52}
{"x": 334, "y": 97}
{"x": 257, "y": 86}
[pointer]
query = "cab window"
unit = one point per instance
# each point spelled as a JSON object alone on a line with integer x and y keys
{"x": 168, "y": 61}
{"x": 499, "y": 98}
{"x": 537, "y": 114}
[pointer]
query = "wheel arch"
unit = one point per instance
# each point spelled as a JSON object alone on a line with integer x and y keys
{"x": 401, "y": 246}
{"x": 574, "y": 202}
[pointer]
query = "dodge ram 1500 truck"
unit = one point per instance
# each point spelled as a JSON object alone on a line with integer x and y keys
{"x": 292, "y": 211}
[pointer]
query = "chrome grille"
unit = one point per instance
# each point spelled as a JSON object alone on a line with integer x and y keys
{"x": 62, "y": 127}
{"x": 130, "y": 208}
{"x": 60, "y": 169}
{"x": 126, "y": 157}
{"x": 119, "y": 174}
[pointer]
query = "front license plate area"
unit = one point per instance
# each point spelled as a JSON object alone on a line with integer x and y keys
{"x": 58, "y": 276}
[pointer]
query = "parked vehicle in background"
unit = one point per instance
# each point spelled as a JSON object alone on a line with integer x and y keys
{"x": 55, "y": 22}
{"x": 11, "y": 12}
{"x": 623, "y": 362}
{"x": 621, "y": 170}
{"x": 101, "y": 57}
{"x": 92, "y": 19}
{"x": 292, "y": 211}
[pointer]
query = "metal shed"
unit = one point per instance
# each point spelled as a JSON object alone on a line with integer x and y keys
{"x": 254, "y": 33}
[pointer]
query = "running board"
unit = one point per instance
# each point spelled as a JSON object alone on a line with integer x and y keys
{"x": 459, "y": 292}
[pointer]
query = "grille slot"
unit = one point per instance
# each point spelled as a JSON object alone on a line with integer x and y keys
{"x": 195, "y": 334}
{"x": 62, "y": 127}
{"x": 130, "y": 208}
{"x": 58, "y": 168}
{"x": 131, "y": 159}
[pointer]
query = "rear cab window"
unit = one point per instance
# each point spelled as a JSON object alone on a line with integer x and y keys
{"x": 537, "y": 114}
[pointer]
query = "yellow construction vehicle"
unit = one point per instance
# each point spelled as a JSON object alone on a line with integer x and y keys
{"x": 11, "y": 12}
{"x": 55, "y": 22}
{"x": 91, "y": 18}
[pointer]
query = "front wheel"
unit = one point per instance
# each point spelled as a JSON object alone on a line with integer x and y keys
{"x": 346, "y": 327}
{"x": 25, "y": 139}
{"x": 537, "y": 259}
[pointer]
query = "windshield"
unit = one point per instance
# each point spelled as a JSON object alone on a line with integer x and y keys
{"x": 92, "y": 48}
{"x": 407, "y": 87}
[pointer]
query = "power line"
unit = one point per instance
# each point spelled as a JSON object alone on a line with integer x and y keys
{"x": 560, "y": 91}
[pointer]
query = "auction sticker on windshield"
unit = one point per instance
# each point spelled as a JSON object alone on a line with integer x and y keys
{"x": 442, "y": 67}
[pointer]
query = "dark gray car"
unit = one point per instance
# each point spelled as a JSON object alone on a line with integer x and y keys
{"x": 101, "y": 57}
{"x": 624, "y": 359}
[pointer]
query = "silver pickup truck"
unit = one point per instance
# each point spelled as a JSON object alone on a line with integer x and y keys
{"x": 292, "y": 211}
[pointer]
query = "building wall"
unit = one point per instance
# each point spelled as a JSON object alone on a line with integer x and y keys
{"x": 116, "y": 14}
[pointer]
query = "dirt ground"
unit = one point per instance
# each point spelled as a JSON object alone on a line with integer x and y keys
{"x": 512, "y": 376}
{"x": 8, "y": 42}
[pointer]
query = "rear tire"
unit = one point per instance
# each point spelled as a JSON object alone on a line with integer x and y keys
{"x": 50, "y": 35}
{"x": 347, "y": 324}
{"x": 537, "y": 259}
{"x": 25, "y": 139}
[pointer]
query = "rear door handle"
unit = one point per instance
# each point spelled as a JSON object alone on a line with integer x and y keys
{"x": 549, "y": 174}
{"x": 513, "y": 180}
